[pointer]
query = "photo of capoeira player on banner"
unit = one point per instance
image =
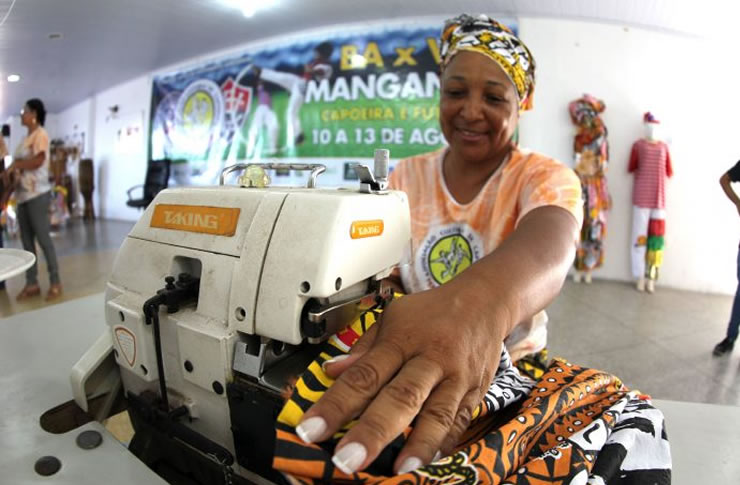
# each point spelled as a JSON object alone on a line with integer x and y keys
{"x": 318, "y": 69}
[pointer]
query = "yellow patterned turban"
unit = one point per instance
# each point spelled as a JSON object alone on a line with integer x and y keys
{"x": 497, "y": 42}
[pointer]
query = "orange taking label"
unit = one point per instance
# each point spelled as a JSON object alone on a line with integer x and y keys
{"x": 220, "y": 221}
{"x": 360, "y": 229}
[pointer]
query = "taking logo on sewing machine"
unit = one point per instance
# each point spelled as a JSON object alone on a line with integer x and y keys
{"x": 361, "y": 229}
{"x": 220, "y": 221}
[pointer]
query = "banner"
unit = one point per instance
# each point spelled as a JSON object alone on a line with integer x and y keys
{"x": 339, "y": 95}
{"x": 335, "y": 96}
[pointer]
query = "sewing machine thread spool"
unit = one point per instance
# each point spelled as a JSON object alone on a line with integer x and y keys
{"x": 380, "y": 165}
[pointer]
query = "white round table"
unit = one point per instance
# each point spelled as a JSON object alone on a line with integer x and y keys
{"x": 14, "y": 262}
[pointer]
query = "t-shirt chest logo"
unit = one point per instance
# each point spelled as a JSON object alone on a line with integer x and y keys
{"x": 448, "y": 257}
{"x": 448, "y": 251}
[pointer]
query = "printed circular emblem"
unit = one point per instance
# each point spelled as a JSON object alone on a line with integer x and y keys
{"x": 200, "y": 109}
{"x": 449, "y": 256}
{"x": 446, "y": 252}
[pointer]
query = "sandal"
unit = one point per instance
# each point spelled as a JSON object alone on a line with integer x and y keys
{"x": 55, "y": 291}
{"x": 28, "y": 291}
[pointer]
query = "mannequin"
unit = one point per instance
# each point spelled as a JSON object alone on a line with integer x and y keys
{"x": 591, "y": 153}
{"x": 650, "y": 162}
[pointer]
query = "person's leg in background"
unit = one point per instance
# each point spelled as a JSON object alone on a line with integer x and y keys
{"x": 726, "y": 345}
{"x": 295, "y": 85}
{"x": 271, "y": 124}
{"x": 297, "y": 95}
{"x": 27, "y": 238}
{"x": 39, "y": 216}
{"x": 640, "y": 220}
{"x": 254, "y": 130}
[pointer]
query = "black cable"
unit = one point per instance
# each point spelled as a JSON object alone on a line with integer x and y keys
{"x": 160, "y": 361}
{"x": 172, "y": 296}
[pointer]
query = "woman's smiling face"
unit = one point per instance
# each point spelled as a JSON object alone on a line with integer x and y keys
{"x": 479, "y": 108}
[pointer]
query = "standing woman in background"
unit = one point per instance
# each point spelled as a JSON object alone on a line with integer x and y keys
{"x": 33, "y": 193}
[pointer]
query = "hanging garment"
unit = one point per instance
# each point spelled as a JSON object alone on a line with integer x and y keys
{"x": 572, "y": 425}
{"x": 591, "y": 152}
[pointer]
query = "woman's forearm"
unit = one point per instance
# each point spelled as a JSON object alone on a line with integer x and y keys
{"x": 29, "y": 163}
{"x": 524, "y": 274}
{"x": 726, "y": 184}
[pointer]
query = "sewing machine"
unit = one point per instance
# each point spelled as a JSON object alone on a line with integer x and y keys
{"x": 215, "y": 302}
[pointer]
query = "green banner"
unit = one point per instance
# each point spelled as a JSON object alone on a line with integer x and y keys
{"x": 334, "y": 96}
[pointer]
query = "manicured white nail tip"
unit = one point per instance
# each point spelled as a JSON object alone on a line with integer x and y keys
{"x": 336, "y": 359}
{"x": 409, "y": 464}
{"x": 311, "y": 429}
{"x": 350, "y": 458}
{"x": 437, "y": 457}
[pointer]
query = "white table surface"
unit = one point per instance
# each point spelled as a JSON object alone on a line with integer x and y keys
{"x": 14, "y": 262}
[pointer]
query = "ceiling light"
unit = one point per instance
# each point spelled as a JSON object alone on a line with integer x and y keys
{"x": 14, "y": 78}
{"x": 248, "y": 7}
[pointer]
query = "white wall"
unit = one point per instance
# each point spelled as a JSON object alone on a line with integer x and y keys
{"x": 688, "y": 84}
{"x": 633, "y": 70}
{"x": 115, "y": 172}
{"x": 74, "y": 121}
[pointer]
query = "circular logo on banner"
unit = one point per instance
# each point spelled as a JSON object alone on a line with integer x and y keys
{"x": 200, "y": 109}
{"x": 447, "y": 251}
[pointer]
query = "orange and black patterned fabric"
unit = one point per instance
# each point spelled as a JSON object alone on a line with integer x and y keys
{"x": 573, "y": 425}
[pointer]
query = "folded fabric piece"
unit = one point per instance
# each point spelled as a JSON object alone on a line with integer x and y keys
{"x": 573, "y": 425}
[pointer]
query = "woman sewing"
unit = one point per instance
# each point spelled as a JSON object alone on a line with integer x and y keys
{"x": 494, "y": 231}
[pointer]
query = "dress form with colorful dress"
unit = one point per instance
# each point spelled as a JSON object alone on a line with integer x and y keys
{"x": 591, "y": 153}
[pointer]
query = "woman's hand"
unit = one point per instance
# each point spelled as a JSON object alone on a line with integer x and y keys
{"x": 9, "y": 175}
{"x": 432, "y": 355}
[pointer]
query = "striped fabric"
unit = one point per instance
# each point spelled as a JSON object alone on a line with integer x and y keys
{"x": 651, "y": 164}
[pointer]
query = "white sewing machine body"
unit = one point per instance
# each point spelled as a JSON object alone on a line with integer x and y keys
{"x": 254, "y": 276}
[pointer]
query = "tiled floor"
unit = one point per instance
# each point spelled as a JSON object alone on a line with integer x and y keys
{"x": 660, "y": 344}
{"x": 85, "y": 252}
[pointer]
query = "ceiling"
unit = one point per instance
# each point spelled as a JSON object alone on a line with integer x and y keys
{"x": 106, "y": 42}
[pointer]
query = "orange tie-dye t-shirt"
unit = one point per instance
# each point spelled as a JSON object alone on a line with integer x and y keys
{"x": 447, "y": 237}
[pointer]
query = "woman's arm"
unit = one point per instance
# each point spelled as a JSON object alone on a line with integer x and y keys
{"x": 434, "y": 353}
{"x": 726, "y": 184}
{"x": 31, "y": 163}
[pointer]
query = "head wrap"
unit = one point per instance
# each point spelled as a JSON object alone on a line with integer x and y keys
{"x": 648, "y": 117}
{"x": 497, "y": 42}
{"x": 583, "y": 110}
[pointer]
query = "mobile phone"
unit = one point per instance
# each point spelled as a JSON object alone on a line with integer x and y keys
{"x": 6, "y": 130}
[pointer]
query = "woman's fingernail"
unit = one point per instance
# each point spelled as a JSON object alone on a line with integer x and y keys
{"x": 409, "y": 464}
{"x": 437, "y": 456}
{"x": 334, "y": 360}
{"x": 350, "y": 458}
{"x": 311, "y": 429}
